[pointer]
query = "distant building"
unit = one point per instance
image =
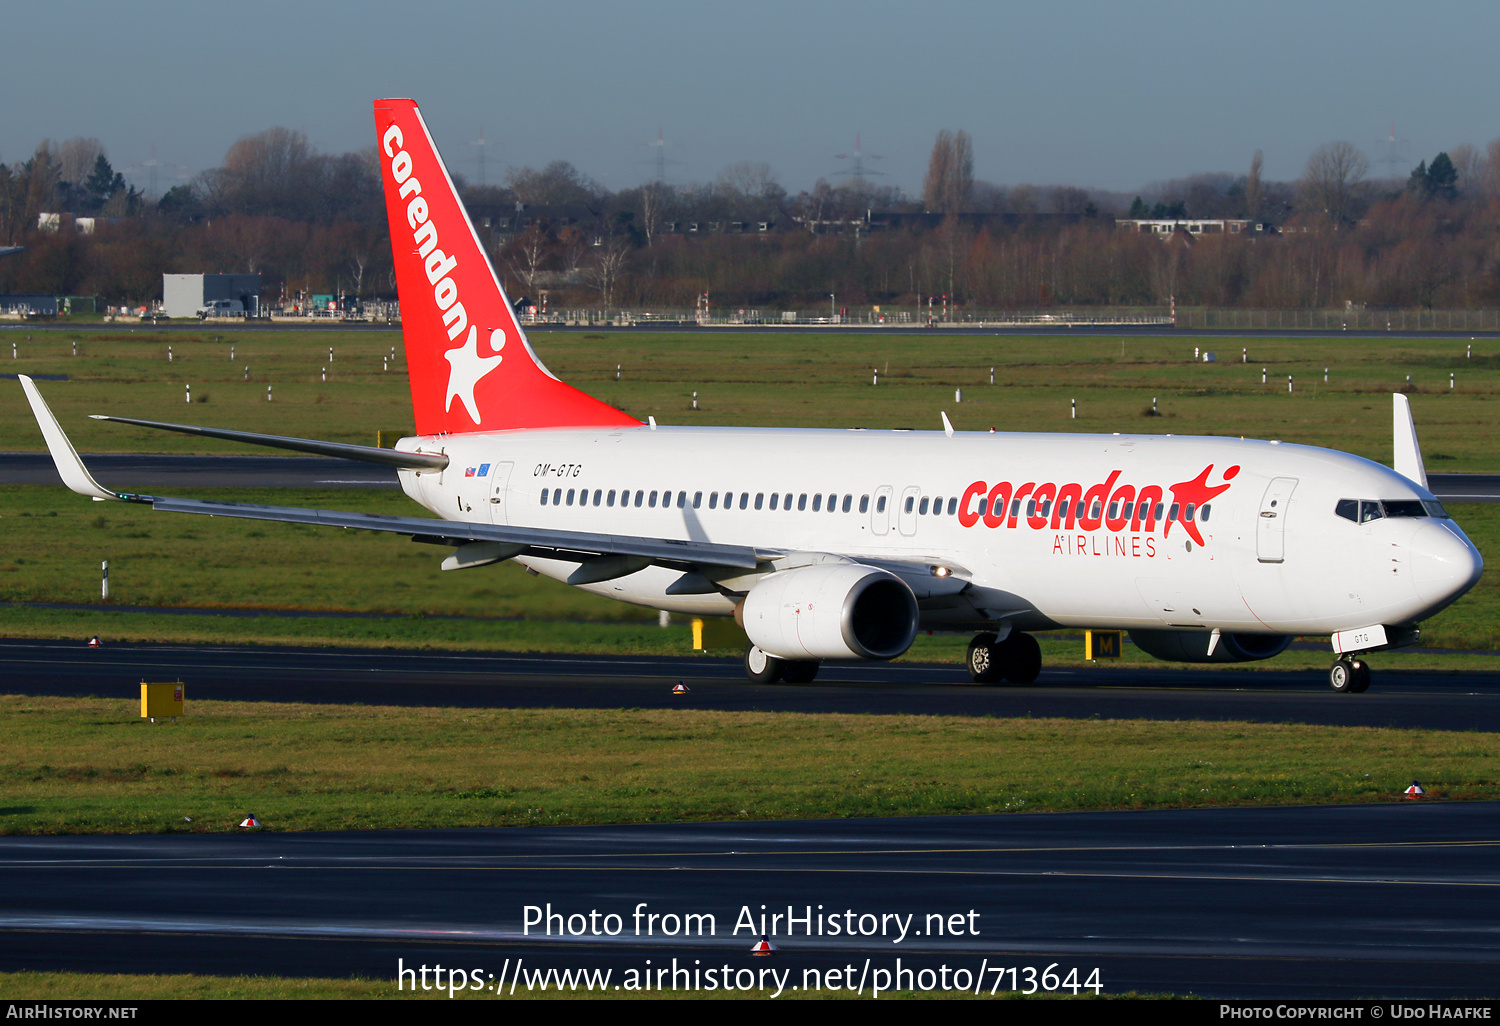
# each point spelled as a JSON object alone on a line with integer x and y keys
{"x": 1167, "y": 227}
{"x": 33, "y": 305}
{"x": 57, "y": 222}
{"x": 183, "y": 295}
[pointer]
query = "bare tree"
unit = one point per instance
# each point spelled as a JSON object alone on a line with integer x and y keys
{"x": 1069, "y": 199}
{"x": 558, "y": 182}
{"x": 1470, "y": 164}
{"x": 1023, "y": 199}
{"x": 749, "y": 180}
{"x": 651, "y": 203}
{"x": 950, "y": 173}
{"x": 1331, "y": 181}
{"x": 76, "y": 158}
{"x": 1492, "y": 168}
{"x": 1255, "y": 195}
{"x": 527, "y": 254}
{"x": 606, "y": 268}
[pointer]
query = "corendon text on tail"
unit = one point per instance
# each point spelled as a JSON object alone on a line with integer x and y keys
{"x": 823, "y": 544}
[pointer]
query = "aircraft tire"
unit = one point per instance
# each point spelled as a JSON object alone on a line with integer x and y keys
{"x": 1020, "y": 658}
{"x": 1341, "y": 676}
{"x": 1361, "y": 676}
{"x": 982, "y": 662}
{"x": 762, "y": 668}
{"x": 799, "y": 671}
{"x": 1349, "y": 676}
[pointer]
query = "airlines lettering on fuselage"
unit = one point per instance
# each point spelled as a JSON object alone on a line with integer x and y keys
{"x": 1117, "y": 509}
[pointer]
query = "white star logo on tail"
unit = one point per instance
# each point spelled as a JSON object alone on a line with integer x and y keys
{"x": 467, "y": 368}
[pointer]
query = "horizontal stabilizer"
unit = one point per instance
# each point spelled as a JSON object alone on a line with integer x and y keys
{"x": 342, "y": 450}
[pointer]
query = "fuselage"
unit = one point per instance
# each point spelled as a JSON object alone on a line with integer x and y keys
{"x": 1046, "y": 530}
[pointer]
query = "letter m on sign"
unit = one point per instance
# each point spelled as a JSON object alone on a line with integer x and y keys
{"x": 1101, "y": 644}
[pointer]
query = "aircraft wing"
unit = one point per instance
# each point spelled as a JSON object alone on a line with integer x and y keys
{"x": 534, "y": 541}
{"x": 501, "y": 542}
{"x": 603, "y": 555}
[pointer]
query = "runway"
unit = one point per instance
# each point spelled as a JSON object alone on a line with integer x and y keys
{"x": 1464, "y": 701}
{"x": 155, "y": 470}
{"x": 1336, "y": 902}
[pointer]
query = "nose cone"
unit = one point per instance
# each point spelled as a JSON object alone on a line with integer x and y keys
{"x": 1444, "y": 563}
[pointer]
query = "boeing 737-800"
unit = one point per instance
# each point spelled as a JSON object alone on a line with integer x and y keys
{"x": 844, "y": 544}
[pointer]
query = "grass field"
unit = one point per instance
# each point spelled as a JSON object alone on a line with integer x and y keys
{"x": 75, "y": 765}
{"x": 786, "y": 380}
{"x": 55, "y": 540}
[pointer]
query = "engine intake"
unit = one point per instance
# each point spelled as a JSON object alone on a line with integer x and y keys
{"x": 1192, "y": 646}
{"x": 834, "y": 611}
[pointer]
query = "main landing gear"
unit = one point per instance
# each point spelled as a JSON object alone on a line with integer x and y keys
{"x": 1350, "y": 675}
{"x": 762, "y": 668}
{"x": 1017, "y": 659}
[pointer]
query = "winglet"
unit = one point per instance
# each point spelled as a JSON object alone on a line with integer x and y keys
{"x": 1408, "y": 453}
{"x": 69, "y": 466}
{"x": 947, "y": 424}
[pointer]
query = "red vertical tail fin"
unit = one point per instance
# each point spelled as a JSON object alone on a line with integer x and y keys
{"x": 471, "y": 367}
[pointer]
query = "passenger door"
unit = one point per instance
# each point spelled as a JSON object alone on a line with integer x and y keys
{"x": 880, "y": 511}
{"x": 1270, "y": 527}
{"x": 499, "y": 498}
{"x": 907, "y": 512}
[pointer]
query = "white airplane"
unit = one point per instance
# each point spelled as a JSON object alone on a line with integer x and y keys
{"x": 827, "y": 544}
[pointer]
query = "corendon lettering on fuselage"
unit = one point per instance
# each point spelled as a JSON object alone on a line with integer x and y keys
{"x": 1117, "y": 509}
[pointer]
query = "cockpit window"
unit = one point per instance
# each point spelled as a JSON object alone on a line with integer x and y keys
{"x": 1404, "y": 508}
{"x": 1369, "y": 510}
{"x": 1435, "y": 508}
{"x": 1348, "y": 509}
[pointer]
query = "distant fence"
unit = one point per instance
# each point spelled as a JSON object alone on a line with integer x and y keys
{"x": 1362, "y": 320}
{"x": 868, "y": 318}
{"x": 1341, "y": 320}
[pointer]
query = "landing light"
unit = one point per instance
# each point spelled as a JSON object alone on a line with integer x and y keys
{"x": 941, "y": 571}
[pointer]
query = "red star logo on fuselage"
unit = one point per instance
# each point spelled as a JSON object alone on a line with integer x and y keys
{"x": 1195, "y": 493}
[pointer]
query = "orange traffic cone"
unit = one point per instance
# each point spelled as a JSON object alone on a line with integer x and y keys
{"x": 763, "y": 947}
{"x": 680, "y": 689}
{"x": 250, "y": 821}
{"x": 1414, "y": 791}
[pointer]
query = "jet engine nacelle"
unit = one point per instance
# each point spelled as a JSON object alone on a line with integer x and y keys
{"x": 833, "y": 611}
{"x": 1192, "y": 646}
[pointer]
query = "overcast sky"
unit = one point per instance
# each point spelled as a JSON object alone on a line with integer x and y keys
{"x": 1104, "y": 94}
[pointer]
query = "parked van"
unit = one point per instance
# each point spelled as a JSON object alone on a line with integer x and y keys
{"x": 222, "y": 308}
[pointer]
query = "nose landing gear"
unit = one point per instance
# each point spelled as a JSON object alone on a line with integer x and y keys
{"x": 1017, "y": 659}
{"x": 1349, "y": 675}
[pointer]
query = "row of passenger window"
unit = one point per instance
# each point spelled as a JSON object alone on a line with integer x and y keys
{"x": 1362, "y": 511}
{"x": 1143, "y": 511}
{"x": 668, "y": 498}
{"x": 928, "y": 505}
